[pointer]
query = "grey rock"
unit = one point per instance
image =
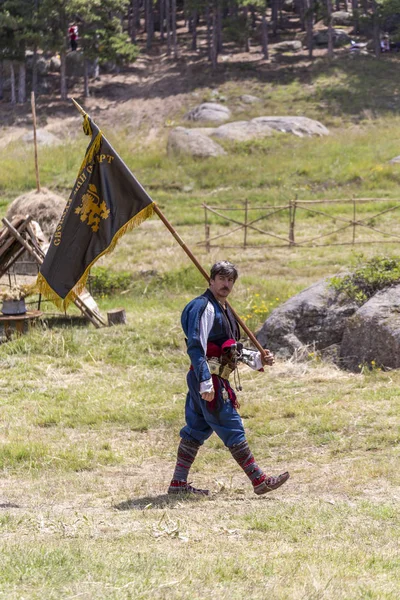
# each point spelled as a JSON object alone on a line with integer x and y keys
{"x": 241, "y": 131}
{"x": 299, "y": 126}
{"x": 209, "y": 111}
{"x": 43, "y": 137}
{"x": 341, "y": 17}
{"x": 42, "y": 65}
{"x": 188, "y": 141}
{"x": 75, "y": 64}
{"x": 55, "y": 64}
{"x": 288, "y": 46}
{"x": 316, "y": 316}
{"x": 204, "y": 130}
{"x": 373, "y": 332}
{"x": 340, "y": 37}
{"x": 395, "y": 160}
{"x": 249, "y": 99}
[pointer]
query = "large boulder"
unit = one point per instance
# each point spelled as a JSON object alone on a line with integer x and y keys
{"x": 75, "y": 64}
{"x": 209, "y": 111}
{"x": 249, "y": 99}
{"x": 340, "y": 37}
{"x": 45, "y": 207}
{"x": 241, "y": 131}
{"x": 341, "y": 17}
{"x": 373, "y": 333}
{"x": 288, "y": 46}
{"x": 299, "y": 126}
{"x": 316, "y": 316}
{"x": 189, "y": 141}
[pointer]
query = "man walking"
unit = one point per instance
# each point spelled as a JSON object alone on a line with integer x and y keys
{"x": 212, "y": 334}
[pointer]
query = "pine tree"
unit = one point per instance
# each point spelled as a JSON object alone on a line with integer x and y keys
{"x": 101, "y": 38}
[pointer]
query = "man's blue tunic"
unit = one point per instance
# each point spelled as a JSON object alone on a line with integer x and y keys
{"x": 200, "y": 420}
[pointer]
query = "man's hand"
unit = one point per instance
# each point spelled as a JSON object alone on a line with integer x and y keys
{"x": 267, "y": 358}
{"x": 208, "y": 396}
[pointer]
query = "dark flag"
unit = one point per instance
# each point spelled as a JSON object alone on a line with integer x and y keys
{"x": 105, "y": 202}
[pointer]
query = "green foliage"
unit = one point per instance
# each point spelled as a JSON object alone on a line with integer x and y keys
{"x": 368, "y": 278}
{"x": 104, "y": 281}
{"x": 236, "y": 29}
{"x": 100, "y": 30}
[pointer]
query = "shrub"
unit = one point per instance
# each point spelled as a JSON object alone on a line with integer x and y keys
{"x": 368, "y": 278}
{"x": 107, "y": 282}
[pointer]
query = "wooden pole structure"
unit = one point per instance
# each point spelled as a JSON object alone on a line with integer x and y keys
{"x": 35, "y": 142}
{"x": 246, "y": 214}
{"x": 207, "y": 228}
{"x": 163, "y": 218}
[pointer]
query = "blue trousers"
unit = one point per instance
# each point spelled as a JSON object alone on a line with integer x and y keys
{"x": 201, "y": 422}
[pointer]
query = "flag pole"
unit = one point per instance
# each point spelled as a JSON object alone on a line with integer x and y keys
{"x": 190, "y": 254}
{"x": 163, "y": 218}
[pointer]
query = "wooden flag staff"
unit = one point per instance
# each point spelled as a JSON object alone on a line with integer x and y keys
{"x": 182, "y": 244}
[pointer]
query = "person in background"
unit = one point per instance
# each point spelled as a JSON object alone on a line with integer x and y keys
{"x": 73, "y": 36}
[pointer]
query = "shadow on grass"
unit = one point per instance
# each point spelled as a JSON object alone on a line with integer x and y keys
{"x": 161, "y": 501}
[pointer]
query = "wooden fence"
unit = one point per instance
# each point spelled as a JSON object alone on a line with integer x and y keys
{"x": 290, "y": 235}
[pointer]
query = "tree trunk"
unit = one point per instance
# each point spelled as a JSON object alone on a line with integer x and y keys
{"x": 356, "y": 15}
{"x": 194, "y": 29}
{"x": 330, "y": 28}
{"x": 364, "y": 5}
{"x": 63, "y": 75}
{"x": 136, "y": 14}
{"x": 12, "y": 81}
{"x": 214, "y": 45}
{"x": 86, "y": 91}
{"x": 264, "y": 33}
{"x": 96, "y": 68}
{"x": 300, "y": 9}
{"x": 34, "y": 71}
{"x": 253, "y": 16}
{"x": 174, "y": 36}
{"x": 149, "y": 24}
{"x": 376, "y": 29}
{"x": 1, "y": 79}
{"x": 131, "y": 20}
{"x": 116, "y": 316}
{"x": 162, "y": 18}
{"x": 209, "y": 37}
{"x": 246, "y": 29}
{"x": 219, "y": 28}
{"x": 274, "y": 16}
{"x": 309, "y": 18}
{"x": 22, "y": 83}
{"x": 168, "y": 20}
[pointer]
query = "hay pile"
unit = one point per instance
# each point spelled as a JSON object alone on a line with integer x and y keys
{"x": 45, "y": 207}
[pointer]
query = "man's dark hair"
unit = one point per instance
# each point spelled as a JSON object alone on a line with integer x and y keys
{"x": 225, "y": 268}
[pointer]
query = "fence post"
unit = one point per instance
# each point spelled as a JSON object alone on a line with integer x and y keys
{"x": 292, "y": 216}
{"x": 246, "y": 208}
{"x": 354, "y": 221}
{"x": 207, "y": 229}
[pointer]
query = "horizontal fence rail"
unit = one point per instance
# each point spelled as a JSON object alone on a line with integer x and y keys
{"x": 285, "y": 225}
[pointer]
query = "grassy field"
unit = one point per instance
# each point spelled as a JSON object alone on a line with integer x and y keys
{"x": 90, "y": 418}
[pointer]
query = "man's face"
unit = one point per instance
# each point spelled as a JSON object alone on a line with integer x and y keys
{"x": 222, "y": 286}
